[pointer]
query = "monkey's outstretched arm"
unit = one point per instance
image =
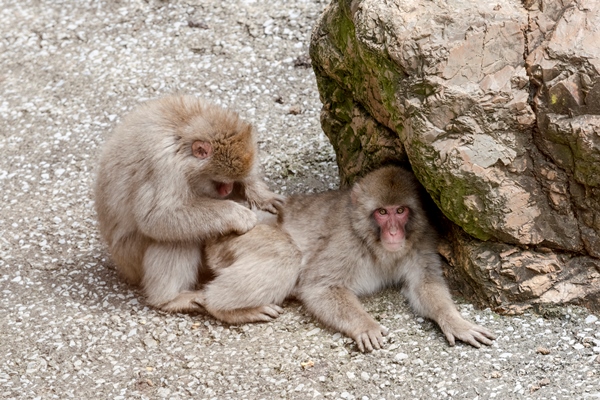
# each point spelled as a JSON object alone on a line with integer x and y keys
{"x": 340, "y": 309}
{"x": 169, "y": 220}
{"x": 429, "y": 296}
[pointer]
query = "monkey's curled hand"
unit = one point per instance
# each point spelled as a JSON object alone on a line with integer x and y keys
{"x": 239, "y": 220}
{"x": 258, "y": 195}
{"x": 370, "y": 338}
{"x": 454, "y": 327}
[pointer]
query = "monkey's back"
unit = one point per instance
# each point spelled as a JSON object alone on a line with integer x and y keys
{"x": 311, "y": 218}
{"x": 321, "y": 227}
{"x": 127, "y": 159}
{"x": 135, "y": 163}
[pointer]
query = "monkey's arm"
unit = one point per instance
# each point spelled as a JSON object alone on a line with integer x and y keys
{"x": 166, "y": 219}
{"x": 340, "y": 309}
{"x": 429, "y": 296}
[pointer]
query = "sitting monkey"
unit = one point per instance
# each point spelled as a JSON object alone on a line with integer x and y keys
{"x": 167, "y": 181}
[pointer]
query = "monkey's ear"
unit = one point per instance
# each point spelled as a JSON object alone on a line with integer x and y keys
{"x": 356, "y": 193}
{"x": 201, "y": 149}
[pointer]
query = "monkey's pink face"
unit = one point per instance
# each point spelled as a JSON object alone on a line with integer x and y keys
{"x": 203, "y": 150}
{"x": 392, "y": 221}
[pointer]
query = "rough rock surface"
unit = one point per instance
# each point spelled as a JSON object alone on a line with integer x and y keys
{"x": 495, "y": 106}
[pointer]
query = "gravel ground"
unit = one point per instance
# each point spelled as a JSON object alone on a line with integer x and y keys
{"x": 71, "y": 329}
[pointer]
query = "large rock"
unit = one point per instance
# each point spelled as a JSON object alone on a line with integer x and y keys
{"x": 495, "y": 106}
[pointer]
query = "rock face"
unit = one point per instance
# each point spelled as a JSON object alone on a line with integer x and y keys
{"x": 496, "y": 107}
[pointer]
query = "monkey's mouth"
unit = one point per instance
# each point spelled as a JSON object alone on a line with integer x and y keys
{"x": 393, "y": 247}
{"x": 223, "y": 188}
{"x": 393, "y": 240}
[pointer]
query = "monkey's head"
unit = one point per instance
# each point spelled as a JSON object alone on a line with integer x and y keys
{"x": 386, "y": 207}
{"x": 219, "y": 148}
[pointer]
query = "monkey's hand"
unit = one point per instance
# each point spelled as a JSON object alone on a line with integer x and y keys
{"x": 370, "y": 338}
{"x": 259, "y": 196}
{"x": 457, "y": 328}
{"x": 272, "y": 204}
{"x": 241, "y": 220}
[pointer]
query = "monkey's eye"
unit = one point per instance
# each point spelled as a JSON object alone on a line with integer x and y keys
{"x": 401, "y": 210}
{"x": 381, "y": 211}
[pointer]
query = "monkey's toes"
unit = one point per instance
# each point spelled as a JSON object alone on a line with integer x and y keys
{"x": 246, "y": 315}
{"x": 181, "y": 307}
{"x": 273, "y": 311}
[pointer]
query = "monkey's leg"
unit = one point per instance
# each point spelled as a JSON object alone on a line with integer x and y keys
{"x": 339, "y": 308}
{"x": 170, "y": 274}
{"x": 128, "y": 254}
{"x": 251, "y": 289}
{"x": 429, "y": 296}
{"x": 254, "y": 273}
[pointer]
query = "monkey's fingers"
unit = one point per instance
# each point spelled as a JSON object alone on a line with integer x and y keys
{"x": 263, "y": 313}
{"x": 271, "y": 209}
{"x": 450, "y": 338}
{"x": 188, "y": 301}
{"x": 488, "y": 334}
{"x": 481, "y": 338}
{"x": 274, "y": 206}
{"x": 279, "y": 200}
{"x": 471, "y": 336}
{"x": 278, "y": 205}
{"x": 363, "y": 343}
{"x": 369, "y": 340}
{"x": 470, "y": 339}
{"x": 244, "y": 220}
{"x": 475, "y": 335}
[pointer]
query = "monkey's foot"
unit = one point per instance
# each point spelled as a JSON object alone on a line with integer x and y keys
{"x": 370, "y": 339}
{"x": 458, "y": 328}
{"x": 245, "y": 315}
{"x": 184, "y": 302}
